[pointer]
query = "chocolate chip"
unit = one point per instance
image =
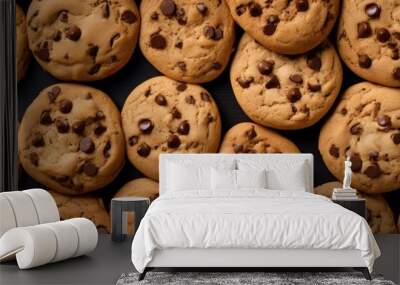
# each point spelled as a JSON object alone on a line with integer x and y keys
{"x": 273, "y": 82}
{"x": 237, "y": 148}
{"x": 65, "y": 106}
{"x": 90, "y": 169}
{"x": 181, "y": 65}
{"x": 190, "y": 100}
{"x": 356, "y": 162}
{"x": 160, "y": 100}
{"x": 396, "y": 35}
{"x": 179, "y": 45}
{"x": 128, "y": 17}
{"x": 34, "y": 158}
{"x": 272, "y": 22}
{"x": 100, "y": 115}
{"x": 216, "y": 65}
{"x": 43, "y": 54}
{"x": 86, "y": 145}
{"x": 384, "y": 121}
{"x": 202, "y": 8}
{"x": 175, "y": 113}
{"x": 343, "y": 111}
{"x": 92, "y": 51}
{"x": 209, "y": 32}
{"x": 37, "y": 140}
{"x": 106, "y": 150}
{"x": 64, "y": 181}
{"x": 78, "y": 127}
{"x": 173, "y": 141}
{"x": 373, "y": 171}
{"x": 396, "y": 73}
{"x": 99, "y": 129}
{"x": 314, "y": 62}
{"x": 45, "y": 118}
{"x": 396, "y": 138}
{"x": 154, "y": 16}
{"x": 314, "y": 87}
{"x": 294, "y": 95}
{"x": 301, "y": 5}
{"x": 205, "y": 96}
{"x": 143, "y": 150}
{"x": 73, "y": 33}
{"x": 364, "y": 30}
{"x": 62, "y": 125}
{"x": 63, "y": 16}
{"x": 251, "y": 133}
{"x": 219, "y": 34}
{"x": 145, "y": 126}
{"x": 114, "y": 38}
{"x": 373, "y": 156}
{"x": 372, "y": 10}
{"x": 157, "y": 41}
{"x": 356, "y": 129}
{"x": 94, "y": 69}
{"x": 382, "y": 35}
{"x": 255, "y": 9}
{"x": 265, "y": 67}
{"x": 181, "y": 87}
{"x": 133, "y": 140}
{"x": 56, "y": 36}
{"x": 240, "y": 10}
{"x": 180, "y": 16}
{"x": 183, "y": 128}
{"x": 210, "y": 118}
{"x": 245, "y": 82}
{"x": 364, "y": 61}
{"x": 168, "y": 7}
{"x": 395, "y": 54}
{"x": 296, "y": 78}
{"x": 105, "y": 11}
{"x": 53, "y": 93}
{"x": 334, "y": 151}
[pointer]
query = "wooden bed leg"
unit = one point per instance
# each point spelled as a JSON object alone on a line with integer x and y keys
{"x": 364, "y": 271}
{"x": 143, "y": 274}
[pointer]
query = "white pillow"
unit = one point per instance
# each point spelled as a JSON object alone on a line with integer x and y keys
{"x": 251, "y": 178}
{"x": 281, "y": 175}
{"x": 223, "y": 179}
{"x": 182, "y": 177}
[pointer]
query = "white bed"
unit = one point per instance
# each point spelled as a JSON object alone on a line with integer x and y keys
{"x": 273, "y": 226}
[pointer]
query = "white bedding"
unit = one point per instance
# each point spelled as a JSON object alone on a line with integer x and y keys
{"x": 250, "y": 219}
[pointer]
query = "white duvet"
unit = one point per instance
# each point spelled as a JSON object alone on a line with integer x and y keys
{"x": 250, "y": 219}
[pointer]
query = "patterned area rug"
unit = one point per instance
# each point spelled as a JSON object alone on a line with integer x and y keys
{"x": 243, "y": 278}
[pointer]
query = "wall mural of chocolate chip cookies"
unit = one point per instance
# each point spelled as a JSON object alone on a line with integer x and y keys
{"x": 271, "y": 82}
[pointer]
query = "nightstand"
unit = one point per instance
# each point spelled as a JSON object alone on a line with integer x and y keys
{"x": 357, "y": 206}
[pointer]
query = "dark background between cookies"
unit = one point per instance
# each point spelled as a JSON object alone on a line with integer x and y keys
{"x": 138, "y": 70}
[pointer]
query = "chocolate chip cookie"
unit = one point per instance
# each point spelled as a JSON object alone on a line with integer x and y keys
{"x": 189, "y": 41}
{"x": 22, "y": 50}
{"x": 82, "y": 40}
{"x": 252, "y": 138}
{"x": 379, "y": 215}
{"x": 140, "y": 187}
{"x": 87, "y": 206}
{"x": 163, "y": 115}
{"x": 368, "y": 39}
{"x": 365, "y": 127}
{"x": 70, "y": 139}
{"x": 285, "y": 92}
{"x": 287, "y": 27}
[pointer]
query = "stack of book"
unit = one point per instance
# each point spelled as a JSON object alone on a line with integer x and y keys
{"x": 344, "y": 194}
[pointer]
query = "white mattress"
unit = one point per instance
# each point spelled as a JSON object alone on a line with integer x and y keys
{"x": 250, "y": 219}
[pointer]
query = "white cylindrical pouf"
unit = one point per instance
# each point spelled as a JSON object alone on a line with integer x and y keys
{"x": 23, "y": 208}
{"x": 7, "y": 218}
{"x": 45, "y": 205}
{"x": 87, "y": 234}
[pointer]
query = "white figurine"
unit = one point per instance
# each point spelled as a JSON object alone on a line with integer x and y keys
{"x": 347, "y": 174}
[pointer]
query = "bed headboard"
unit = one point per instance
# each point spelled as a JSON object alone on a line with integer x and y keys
{"x": 214, "y": 158}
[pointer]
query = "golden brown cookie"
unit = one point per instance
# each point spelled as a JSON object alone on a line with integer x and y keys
{"x": 82, "y": 40}
{"x": 23, "y": 52}
{"x": 366, "y": 127}
{"x": 252, "y": 138}
{"x": 70, "y": 139}
{"x": 140, "y": 187}
{"x": 162, "y": 115}
{"x": 189, "y": 41}
{"x": 287, "y": 27}
{"x": 86, "y": 206}
{"x": 368, "y": 39}
{"x": 285, "y": 92}
{"x": 379, "y": 214}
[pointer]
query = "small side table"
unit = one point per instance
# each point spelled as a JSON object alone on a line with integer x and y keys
{"x": 120, "y": 208}
{"x": 358, "y": 206}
